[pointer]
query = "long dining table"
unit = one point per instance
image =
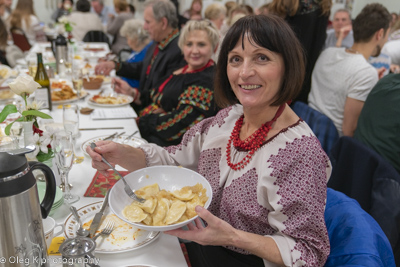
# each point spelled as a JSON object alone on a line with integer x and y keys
{"x": 164, "y": 250}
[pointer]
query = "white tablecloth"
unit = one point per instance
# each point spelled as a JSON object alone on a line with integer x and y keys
{"x": 165, "y": 251}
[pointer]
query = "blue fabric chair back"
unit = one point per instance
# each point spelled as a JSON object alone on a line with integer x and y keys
{"x": 364, "y": 175}
{"x": 321, "y": 125}
{"x": 356, "y": 239}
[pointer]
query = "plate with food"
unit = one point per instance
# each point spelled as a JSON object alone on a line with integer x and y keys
{"x": 125, "y": 139}
{"x": 6, "y": 95}
{"x": 113, "y": 100}
{"x": 65, "y": 94}
{"x": 171, "y": 193}
{"x": 124, "y": 237}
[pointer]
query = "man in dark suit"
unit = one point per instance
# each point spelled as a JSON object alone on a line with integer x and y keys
{"x": 163, "y": 57}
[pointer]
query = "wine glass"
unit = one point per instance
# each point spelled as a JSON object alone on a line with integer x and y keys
{"x": 77, "y": 81}
{"x": 71, "y": 124}
{"x": 64, "y": 155}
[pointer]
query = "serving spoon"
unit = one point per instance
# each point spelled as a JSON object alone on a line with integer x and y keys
{"x": 81, "y": 231}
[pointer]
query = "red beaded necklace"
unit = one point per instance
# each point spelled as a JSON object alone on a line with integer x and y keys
{"x": 250, "y": 144}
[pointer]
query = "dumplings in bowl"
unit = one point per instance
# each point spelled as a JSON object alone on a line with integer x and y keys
{"x": 171, "y": 195}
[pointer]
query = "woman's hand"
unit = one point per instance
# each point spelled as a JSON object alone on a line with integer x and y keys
{"x": 104, "y": 68}
{"x": 110, "y": 150}
{"x": 217, "y": 233}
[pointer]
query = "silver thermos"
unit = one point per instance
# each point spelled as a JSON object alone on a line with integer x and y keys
{"x": 22, "y": 240}
{"x": 61, "y": 54}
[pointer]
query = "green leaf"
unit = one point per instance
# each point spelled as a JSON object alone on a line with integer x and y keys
{"x": 42, "y": 157}
{"x": 36, "y": 113}
{"x": 7, "y": 110}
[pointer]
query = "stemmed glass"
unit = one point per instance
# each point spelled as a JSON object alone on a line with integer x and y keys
{"x": 71, "y": 124}
{"x": 77, "y": 81}
{"x": 64, "y": 155}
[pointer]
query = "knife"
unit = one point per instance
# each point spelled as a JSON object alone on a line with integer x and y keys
{"x": 97, "y": 218}
{"x": 111, "y": 136}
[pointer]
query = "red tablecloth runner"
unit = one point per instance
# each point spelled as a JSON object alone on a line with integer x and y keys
{"x": 100, "y": 184}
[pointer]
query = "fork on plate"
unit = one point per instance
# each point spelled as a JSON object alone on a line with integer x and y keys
{"x": 107, "y": 230}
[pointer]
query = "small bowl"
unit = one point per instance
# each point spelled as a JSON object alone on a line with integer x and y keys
{"x": 170, "y": 178}
{"x": 93, "y": 83}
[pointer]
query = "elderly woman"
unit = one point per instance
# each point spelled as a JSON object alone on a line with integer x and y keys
{"x": 115, "y": 23}
{"x": 183, "y": 98}
{"x": 139, "y": 41}
{"x": 267, "y": 169}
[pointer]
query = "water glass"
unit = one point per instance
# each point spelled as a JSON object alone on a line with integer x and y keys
{"x": 71, "y": 119}
{"x": 64, "y": 157}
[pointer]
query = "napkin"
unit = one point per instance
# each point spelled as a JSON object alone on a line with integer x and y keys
{"x": 53, "y": 250}
{"x": 100, "y": 184}
{"x": 113, "y": 113}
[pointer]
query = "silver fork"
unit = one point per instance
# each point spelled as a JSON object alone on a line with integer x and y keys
{"x": 127, "y": 188}
{"x": 107, "y": 230}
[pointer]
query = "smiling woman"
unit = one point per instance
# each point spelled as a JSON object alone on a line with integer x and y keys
{"x": 266, "y": 168}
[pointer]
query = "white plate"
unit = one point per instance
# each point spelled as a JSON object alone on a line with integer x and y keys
{"x": 133, "y": 141}
{"x": 128, "y": 99}
{"x": 61, "y": 102}
{"x": 6, "y": 95}
{"x": 170, "y": 178}
{"x": 123, "y": 238}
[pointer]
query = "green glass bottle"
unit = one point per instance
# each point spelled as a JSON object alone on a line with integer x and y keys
{"x": 43, "y": 94}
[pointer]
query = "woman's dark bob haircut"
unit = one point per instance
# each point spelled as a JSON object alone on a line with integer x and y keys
{"x": 274, "y": 34}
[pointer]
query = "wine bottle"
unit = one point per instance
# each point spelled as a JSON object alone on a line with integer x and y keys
{"x": 42, "y": 94}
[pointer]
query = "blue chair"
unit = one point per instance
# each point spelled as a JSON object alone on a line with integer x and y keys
{"x": 321, "y": 125}
{"x": 356, "y": 238}
{"x": 364, "y": 175}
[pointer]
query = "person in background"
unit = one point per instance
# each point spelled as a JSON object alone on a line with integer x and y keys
{"x": 194, "y": 12}
{"x": 309, "y": 20}
{"x": 164, "y": 55}
{"x": 64, "y": 9}
{"x": 184, "y": 97}
{"x": 115, "y": 23}
{"x": 24, "y": 17}
{"x": 6, "y": 9}
{"x": 341, "y": 35}
{"x": 139, "y": 41}
{"x": 263, "y": 10}
{"x": 267, "y": 169}
{"x": 233, "y": 11}
{"x": 132, "y": 9}
{"x": 215, "y": 13}
{"x": 342, "y": 77}
{"x": 378, "y": 125}
{"x": 83, "y": 20}
{"x": 395, "y": 31}
{"x": 3, "y": 43}
{"x": 102, "y": 10}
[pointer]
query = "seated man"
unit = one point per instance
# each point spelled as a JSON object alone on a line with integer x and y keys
{"x": 342, "y": 77}
{"x": 378, "y": 125}
{"x": 162, "y": 57}
{"x": 341, "y": 35}
{"x": 102, "y": 10}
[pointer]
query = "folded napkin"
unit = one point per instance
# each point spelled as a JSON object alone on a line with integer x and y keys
{"x": 100, "y": 184}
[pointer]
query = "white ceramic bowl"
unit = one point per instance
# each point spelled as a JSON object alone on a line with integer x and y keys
{"x": 169, "y": 178}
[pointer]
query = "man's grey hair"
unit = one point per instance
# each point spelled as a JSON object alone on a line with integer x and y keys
{"x": 164, "y": 8}
{"x": 101, "y": 2}
{"x": 343, "y": 10}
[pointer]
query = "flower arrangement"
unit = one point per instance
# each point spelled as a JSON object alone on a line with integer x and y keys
{"x": 24, "y": 85}
{"x": 67, "y": 26}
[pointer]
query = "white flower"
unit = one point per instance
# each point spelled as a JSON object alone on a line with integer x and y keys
{"x": 34, "y": 105}
{"x": 24, "y": 84}
{"x": 40, "y": 144}
{"x": 50, "y": 134}
{"x": 63, "y": 20}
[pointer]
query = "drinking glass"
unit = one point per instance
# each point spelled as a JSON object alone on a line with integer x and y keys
{"x": 71, "y": 124}
{"x": 64, "y": 155}
{"x": 71, "y": 119}
{"x": 77, "y": 81}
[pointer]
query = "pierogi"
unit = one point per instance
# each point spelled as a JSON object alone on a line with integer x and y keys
{"x": 163, "y": 207}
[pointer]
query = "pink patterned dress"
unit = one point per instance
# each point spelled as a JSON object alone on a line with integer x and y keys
{"x": 281, "y": 193}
